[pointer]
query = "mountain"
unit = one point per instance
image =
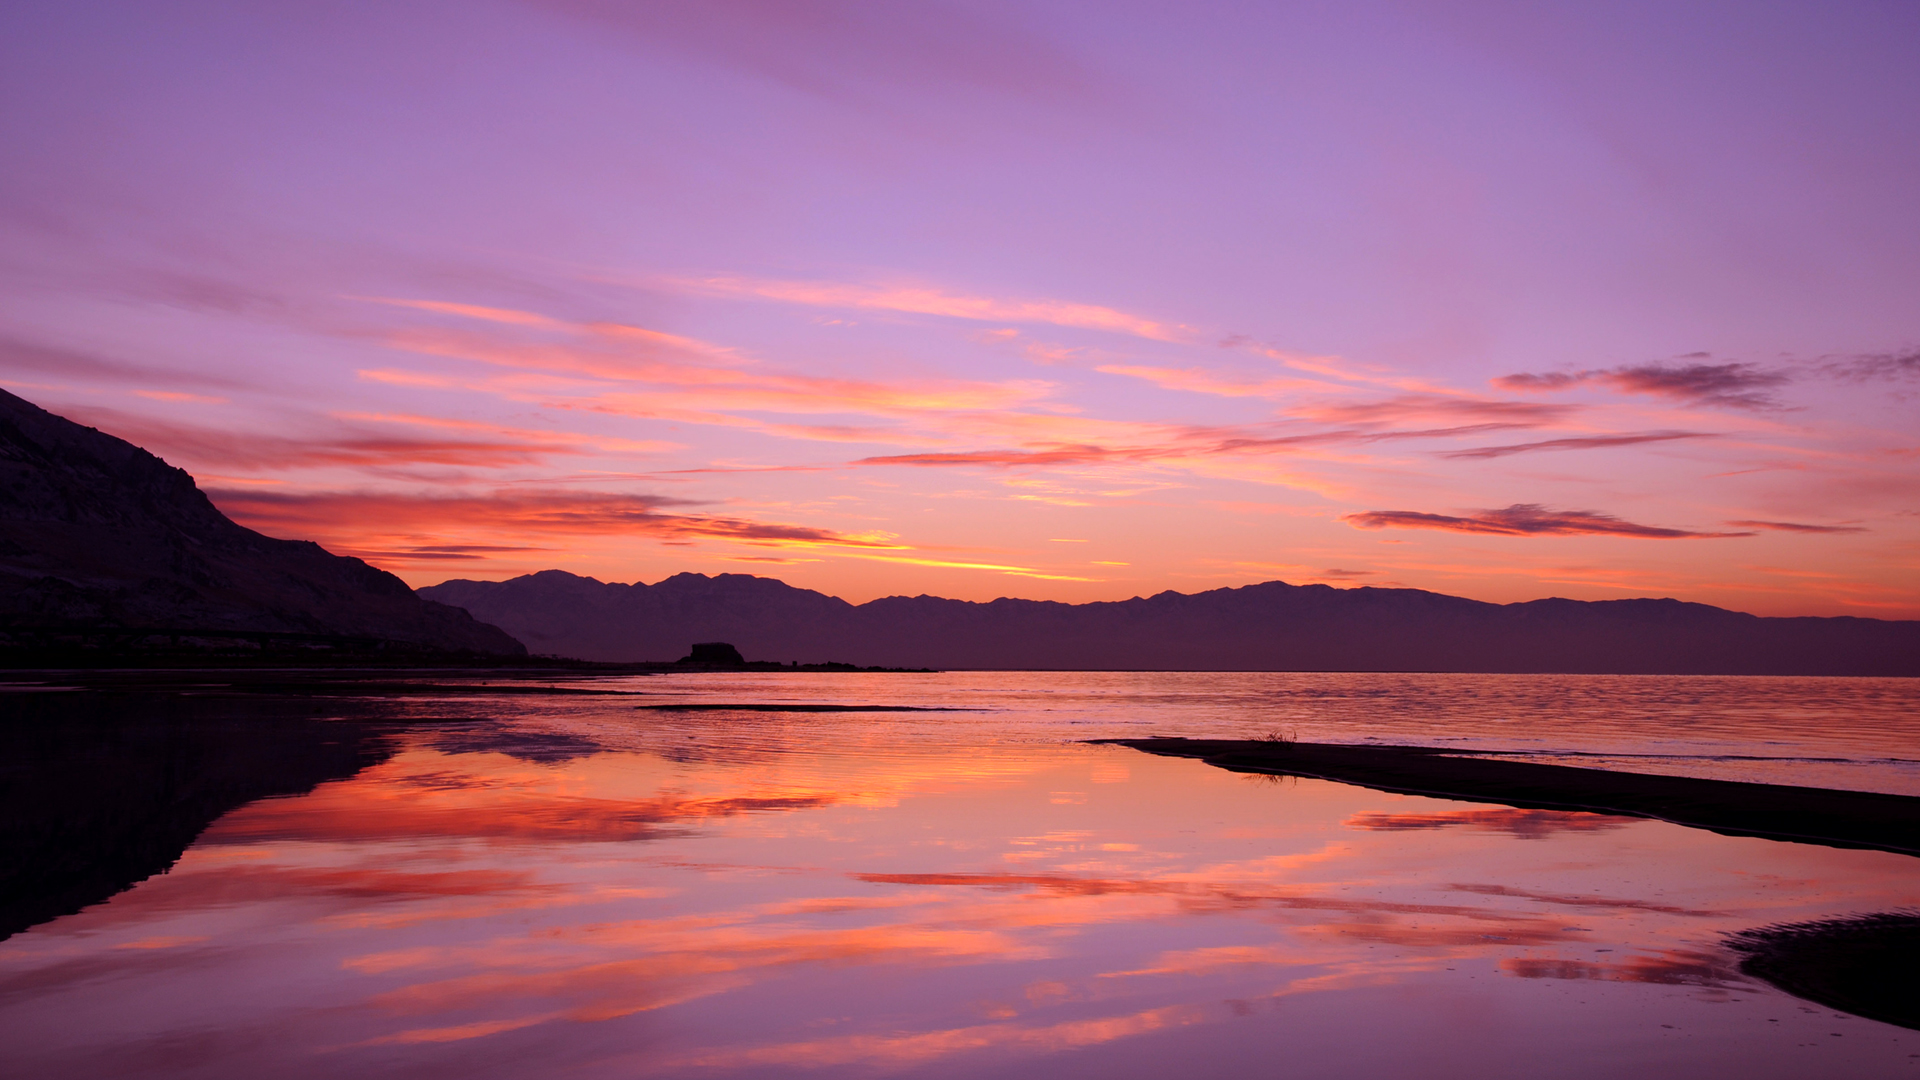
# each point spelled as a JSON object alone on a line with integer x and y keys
{"x": 98, "y": 535}
{"x": 1268, "y": 627}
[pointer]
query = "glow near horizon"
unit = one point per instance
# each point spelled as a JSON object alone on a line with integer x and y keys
{"x": 1475, "y": 298}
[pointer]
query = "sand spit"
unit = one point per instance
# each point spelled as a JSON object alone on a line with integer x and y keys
{"x": 1848, "y": 819}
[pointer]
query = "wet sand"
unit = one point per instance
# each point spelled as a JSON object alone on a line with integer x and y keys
{"x": 1848, "y": 819}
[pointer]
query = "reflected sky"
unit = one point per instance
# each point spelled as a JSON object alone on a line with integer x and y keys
{"x": 540, "y": 899}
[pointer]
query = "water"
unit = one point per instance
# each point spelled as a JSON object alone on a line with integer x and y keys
{"x": 572, "y": 886}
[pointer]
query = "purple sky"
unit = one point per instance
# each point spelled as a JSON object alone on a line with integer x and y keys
{"x": 1065, "y": 300}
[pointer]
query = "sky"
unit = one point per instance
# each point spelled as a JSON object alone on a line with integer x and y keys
{"x": 1063, "y": 300}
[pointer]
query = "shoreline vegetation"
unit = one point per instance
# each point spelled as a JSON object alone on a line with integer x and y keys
{"x": 1827, "y": 816}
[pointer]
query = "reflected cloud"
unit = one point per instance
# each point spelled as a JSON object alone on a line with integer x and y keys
{"x": 1673, "y": 967}
{"x": 1521, "y": 824}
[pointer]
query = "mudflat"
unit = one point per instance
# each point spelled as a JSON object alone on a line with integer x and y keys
{"x": 1849, "y": 819}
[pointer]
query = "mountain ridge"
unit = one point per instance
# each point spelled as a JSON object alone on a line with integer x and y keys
{"x": 97, "y": 534}
{"x": 1267, "y": 626}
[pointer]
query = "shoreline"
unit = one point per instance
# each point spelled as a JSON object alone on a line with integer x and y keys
{"x": 1830, "y": 817}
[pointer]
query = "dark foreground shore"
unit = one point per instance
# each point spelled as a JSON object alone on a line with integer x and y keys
{"x": 1863, "y": 964}
{"x": 1850, "y": 819}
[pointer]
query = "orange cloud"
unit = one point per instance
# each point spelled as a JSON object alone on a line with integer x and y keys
{"x": 353, "y": 517}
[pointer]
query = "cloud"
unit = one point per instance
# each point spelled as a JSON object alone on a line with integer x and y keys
{"x": 357, "y": 517}
{"x": 25, "y": 356}
{"x": 1202, "y": 381}
{"x": 1797, "y": 527}
{"x": 1731, "y": 385}
{"x": 1425, "y": 408}
{"x": 1876, "y": 366}
{"x": 1523, "y": 519}
{"x": 924, "y": 300}
{"x": 356, "y": 440}
{"x": 1063, "y": 455}
{"x": 600, "y": 364}
{"x": 1592, "y": 442}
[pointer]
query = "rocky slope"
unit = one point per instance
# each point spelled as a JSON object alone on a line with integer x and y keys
{"x": 97, "y": 534}
{"x": 1268, "y": 627}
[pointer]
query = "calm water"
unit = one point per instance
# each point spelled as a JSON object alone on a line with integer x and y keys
{"x": 576, "y": 887}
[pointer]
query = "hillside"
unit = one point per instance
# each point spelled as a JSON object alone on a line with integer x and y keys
{"x": 97, "y": 535}
{"x": 1267, "y": 627}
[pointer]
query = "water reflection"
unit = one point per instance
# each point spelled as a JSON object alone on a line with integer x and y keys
{"x": 535, "y": 897}
{"x": 99, "y": 791}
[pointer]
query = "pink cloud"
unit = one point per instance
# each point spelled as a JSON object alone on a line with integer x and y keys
{"x": 923, "y": 300}
{"x": 1590, "y": 442}
{"x": 1797, "y": 527}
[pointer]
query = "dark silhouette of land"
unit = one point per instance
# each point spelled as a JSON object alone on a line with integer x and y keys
{"x": 1863, "y": 965}
{"x": 1269, "y": 627}
{"x": 101, "y": 790}
{"x": 105, "y": 548}
{"x": 1848, "y": 819}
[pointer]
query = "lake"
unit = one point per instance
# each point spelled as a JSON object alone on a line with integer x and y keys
{"x": 593, "y": 885}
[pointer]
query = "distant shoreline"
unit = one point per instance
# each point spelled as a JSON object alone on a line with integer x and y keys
{"x": 1826, "y": 816}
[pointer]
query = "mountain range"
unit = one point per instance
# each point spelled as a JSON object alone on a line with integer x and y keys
{"x": 99, "y": 536}
{"x": 1267, "y": 627}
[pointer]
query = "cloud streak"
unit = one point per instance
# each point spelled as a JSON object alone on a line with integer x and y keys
{"x": 1524, "y": 519}
{"x": 362, "y": 441}
{"x": 1591, "y": 442}
{"x": 320, "y": 514}
{"x": 1729, "y": 386}
{"x": 1797, "y": 527}
{"x": 1895, "y": 365}
{"x": 925, "y": 300}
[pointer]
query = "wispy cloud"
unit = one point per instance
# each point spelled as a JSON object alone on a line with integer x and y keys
{"x": 1894, "y": 365}
{"x": 1524, "y": 519}
{"x": 1061, "y": 455}
{"x": 1797, "y": 527}
{"x": 435, "y": 520}
{"x": 1428, "y": 408}
{"x": 1203, "y": 381}
{"x": 606, "y": 362}
{"x": 1730, "y": 385}
{"x": 927, "y": 300}
{"x": 18, "y": 356}
{"x": 363, "y": 441}
{"x": 1591, "y": 442}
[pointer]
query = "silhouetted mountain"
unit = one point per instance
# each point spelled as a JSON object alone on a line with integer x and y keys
{"x": 1268, "y": 627}
{"x": 96, "y": 534}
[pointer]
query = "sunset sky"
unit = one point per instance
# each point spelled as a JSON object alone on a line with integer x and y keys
{"x": 1063, "y": 300}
